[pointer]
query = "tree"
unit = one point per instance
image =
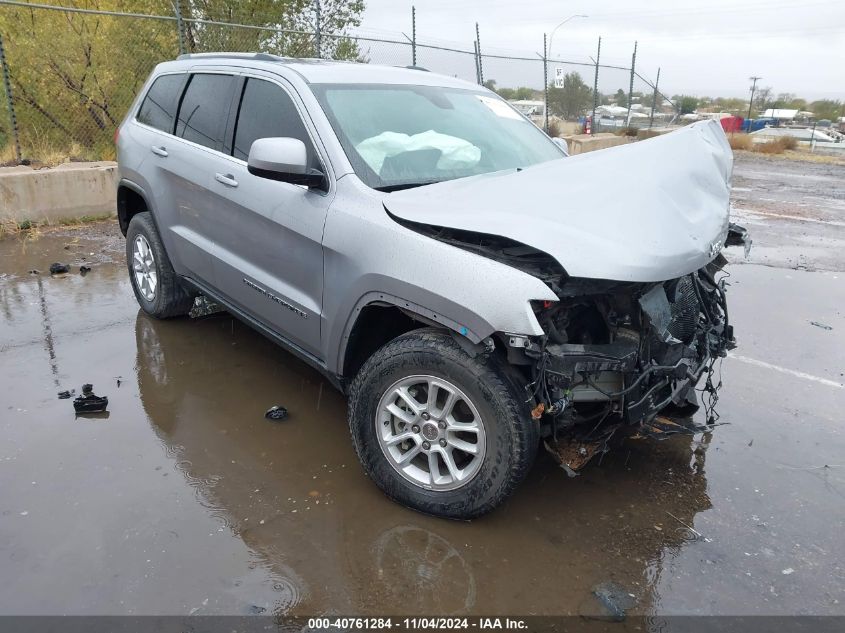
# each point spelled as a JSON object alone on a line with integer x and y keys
{"x": 621, "y": 98}
{"x": 763, "y": 98}
{"x": 687, "y": 103}
{"x": 571, "y": 100}
{"x": 74, "y": 75}
{"x": 827, "y": 109}
{"x": 490, "y": 84}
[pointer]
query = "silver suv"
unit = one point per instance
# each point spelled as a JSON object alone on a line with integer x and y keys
{"x": 438, "y": 257}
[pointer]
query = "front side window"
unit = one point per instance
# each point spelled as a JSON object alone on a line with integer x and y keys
{"x": 158, "y": 109}
{"x": 399, "y": 136}
{"x": 204, "y": 108}
{"x": 267, "y": 111}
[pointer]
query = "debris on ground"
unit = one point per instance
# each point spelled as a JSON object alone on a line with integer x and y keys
{"x": 34, "y": 272}
{"x": 65, "y": 395}
{"x": 821, "y": 325}
{"x": 571, "y": 454}
{"x": 84, "y": 270}
{"x": 88, "y": 402}
{"x": 57, "y": 269}
{"x": 662, "y": 427}
{"x": 203, "y": 306}
{"x": 276, "y": 413}
{"x": 615, "y": 601}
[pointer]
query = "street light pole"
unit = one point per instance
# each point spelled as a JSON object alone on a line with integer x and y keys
{"x": 554, "y": 30}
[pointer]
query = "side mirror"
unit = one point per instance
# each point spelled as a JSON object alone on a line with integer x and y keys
{"x": 283, "y": 159}
{"x": 562, "y": 145}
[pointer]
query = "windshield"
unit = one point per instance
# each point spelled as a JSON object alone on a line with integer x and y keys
{"x": 400, "y": 136}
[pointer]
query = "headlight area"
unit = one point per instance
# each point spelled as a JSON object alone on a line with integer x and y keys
{"x": 624, "y": 359}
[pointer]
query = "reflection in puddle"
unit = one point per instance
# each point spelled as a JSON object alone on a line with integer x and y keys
{"x": 294, "y": 493}
{"x": 422, "y": 570}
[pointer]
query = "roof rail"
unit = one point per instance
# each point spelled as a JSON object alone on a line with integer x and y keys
{"x": 262, "y": 57}
{"x": 425, "y": 70}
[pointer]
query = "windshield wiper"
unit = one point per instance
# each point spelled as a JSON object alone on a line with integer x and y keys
{"x": 405, "y": 185}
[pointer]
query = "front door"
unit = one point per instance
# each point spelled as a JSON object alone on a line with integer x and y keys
{"x": 268, "y": 235}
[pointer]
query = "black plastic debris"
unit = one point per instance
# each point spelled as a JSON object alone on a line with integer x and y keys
{"x": 34, "y": 272}
{"x": 57, "y": 269}
{"x": 821, "y": 325}
{"x": 88, "y": 402}
{"x": 65, "y": 395}
{"x": 203, "y": 306}
{"x": 84, "y": 270}
{"x": 276, "y": 413}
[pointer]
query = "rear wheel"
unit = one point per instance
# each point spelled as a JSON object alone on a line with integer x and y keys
{"x": 156, "y": 285}
{"x": 440, "y": 431}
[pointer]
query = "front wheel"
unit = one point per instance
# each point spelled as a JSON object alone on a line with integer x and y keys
{"x": 440, "y": 431}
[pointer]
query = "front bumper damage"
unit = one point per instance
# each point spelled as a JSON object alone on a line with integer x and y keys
{"x": 626, "y": 359}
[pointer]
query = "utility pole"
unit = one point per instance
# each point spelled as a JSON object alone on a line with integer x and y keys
{"x": 751, "y": 100}
{"x": 654, "y": 100}
{"x": 413, "y": 36}
{"x": 317, "y": 30}
{"x": 631, "y": 85}
{"x": 595, "y": 90}
{"x": 545, "y": 86}
{"x": 480, "y": 63}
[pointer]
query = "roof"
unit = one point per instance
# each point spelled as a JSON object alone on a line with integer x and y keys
{"x": 319, "y": 71}
{"x": 778, "y": 113}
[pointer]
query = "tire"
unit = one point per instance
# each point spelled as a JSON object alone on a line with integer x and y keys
{"x": 427, "y": 362}
{"x": 157, "y": 287}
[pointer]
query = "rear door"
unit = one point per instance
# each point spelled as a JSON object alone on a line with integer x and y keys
{"x": 269, "y": 257}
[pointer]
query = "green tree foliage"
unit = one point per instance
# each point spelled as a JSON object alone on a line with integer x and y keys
{"x": 827, "y": 109}
{"x": 621, "y": 98}
{"x": 686, "y": 103}
{"x": 74, "y": 75}
{"x": 573, "y": 99}
{"x": 517, "y": 94}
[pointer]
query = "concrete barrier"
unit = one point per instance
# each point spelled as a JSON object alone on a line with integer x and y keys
{"x": 581, "y": 143}
{"x": 72, "y": 190}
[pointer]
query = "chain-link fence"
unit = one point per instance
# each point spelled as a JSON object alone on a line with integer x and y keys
{"x": 71, "y": 71}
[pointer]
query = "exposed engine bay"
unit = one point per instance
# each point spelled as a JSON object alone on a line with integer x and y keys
{"x": 626, "y": 358}
{"x": 618, "y": 358}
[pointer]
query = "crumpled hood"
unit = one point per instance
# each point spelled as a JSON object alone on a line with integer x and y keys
{"x": 649, "y": 211}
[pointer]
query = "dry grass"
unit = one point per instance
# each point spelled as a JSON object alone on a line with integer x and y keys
{"x": 27, "y": 229}
{"x": 775, "y": 146}
{"x": 31, "y": 229}
{"x": 40, "y": 151}
{"x": 554, "y": 128}
{"x": 740, "y": 141}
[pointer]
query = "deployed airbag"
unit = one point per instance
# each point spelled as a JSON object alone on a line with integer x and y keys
{"x": 455, "y": 153}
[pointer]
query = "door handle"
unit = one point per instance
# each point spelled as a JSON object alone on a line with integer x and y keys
{"x": 226, "y": 179}
{"x": 159, "y": 150}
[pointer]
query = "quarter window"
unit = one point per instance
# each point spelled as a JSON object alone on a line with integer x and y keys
{"x": 202, "y": 115}
{"x": 267, "y": 111}
{"x": 159, "y": 106}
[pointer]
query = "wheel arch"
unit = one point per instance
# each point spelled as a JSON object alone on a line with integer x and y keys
{"x": 380, "y": 317}
{"x": 131, "y": 200}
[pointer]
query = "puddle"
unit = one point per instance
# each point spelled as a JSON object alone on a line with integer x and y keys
{"x": 187, "y": 500}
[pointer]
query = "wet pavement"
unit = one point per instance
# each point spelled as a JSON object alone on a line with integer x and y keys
{"x": 186, "y": 500}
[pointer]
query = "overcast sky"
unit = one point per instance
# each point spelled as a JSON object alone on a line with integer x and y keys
{"x": 702, "y": 48}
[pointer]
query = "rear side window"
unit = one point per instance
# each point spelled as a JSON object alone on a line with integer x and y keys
{"x": 202, "y": 115}
{"x": 267, "y": 111}
{"x": 159, "y": 106}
